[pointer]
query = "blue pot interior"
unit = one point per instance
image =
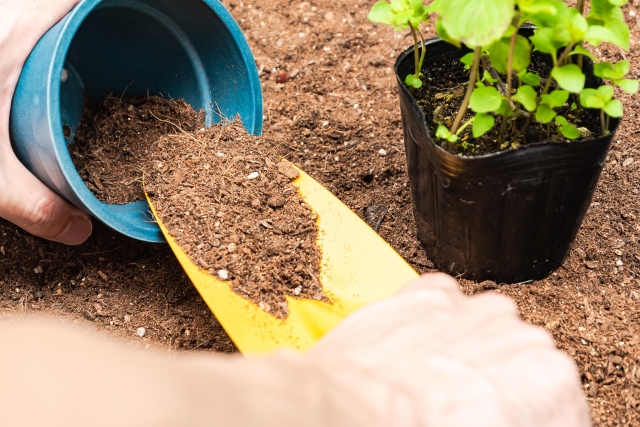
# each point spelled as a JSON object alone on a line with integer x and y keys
{"x": 189, "y": 49}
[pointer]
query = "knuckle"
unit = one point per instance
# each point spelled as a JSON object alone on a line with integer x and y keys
{"x": 42, "y": 214}
{"x": 432, "y": 281}
{"x": 497, "y": 302}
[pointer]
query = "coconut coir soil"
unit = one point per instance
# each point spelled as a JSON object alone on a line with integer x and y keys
{"x": 332, "y": 118}
{"x": 221, "y": 192}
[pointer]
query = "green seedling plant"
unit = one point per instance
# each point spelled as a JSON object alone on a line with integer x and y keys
{"x": 501, "y": 85}
{"x": 403, "y": 14}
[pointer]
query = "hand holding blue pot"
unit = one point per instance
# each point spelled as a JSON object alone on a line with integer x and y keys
{"x": 24, "y": 200}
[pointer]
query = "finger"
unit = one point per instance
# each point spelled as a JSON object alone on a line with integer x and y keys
{"x": 29, "y": 204}
{"x": 432, "y": 281}
{"x": 496, "y": 303}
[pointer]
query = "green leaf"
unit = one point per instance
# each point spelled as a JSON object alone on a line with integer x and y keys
{"x": 617, "y": 2}
{"x": 443, "y": 133}
{"x": 621, "y": 69}
{"x": 569, "y": 77}
{"x": 486, "y": 76}
{"x": 544, "y": 41}
{"x": 502, "y": 109}
{"x": 529, "y": 78}
{"x": 555, "y": 99}
{"x": 570, "y": 131}
{"x": 381, "y": 12}
{"x": 579, "y": 50}
{"x": 601, "y": 68}
{"x": 499, "y": 54}
{"x": 616, "y": 33}
{"x": 612, "y": 72}
{"x": 574, "y": 106}
{"x": 546, "y": 18}
{"x": 526, "y": 96}
{"x": 475, "y": 22}
{"x": 537, "y": 7}
{"x": 444, "y": 35}
{"x": 614, "y": 108}
{"x": 467, "y": 60}
{"x": 629, "y": 86}
{"x": 605, "y": 93}
{"x": 576, "y": 25}
{"x": 544, "y": 114}
{"x": 607, "y": 21}
{"x": 485, "y": 99}
{"x": 413, "y": 81}
{"x": 589, "y": 98}
{"x": 482, "y": 123}
{"x": 561, "y": 120}
{"x": 399, "y": 13}
{"x": 600, "y": 8}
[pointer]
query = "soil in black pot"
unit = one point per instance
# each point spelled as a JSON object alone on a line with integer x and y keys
{"x": 445, "y": 82}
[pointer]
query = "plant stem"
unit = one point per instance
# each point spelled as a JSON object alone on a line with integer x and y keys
{"x": 467, "y": 96}
{"x": 465, "y": 125}
{"x": 507, "y": 109}
{"x": 416, "y": 48}
{"x": 580, "y": 7}
{"x": 422, "y": 52}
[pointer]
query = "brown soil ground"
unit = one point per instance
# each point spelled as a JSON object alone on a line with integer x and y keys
{"x": 334, "y": 117}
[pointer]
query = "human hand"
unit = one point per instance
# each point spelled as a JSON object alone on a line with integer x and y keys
{"x": 24, "y": 200}
{"x": 449, "y": 360}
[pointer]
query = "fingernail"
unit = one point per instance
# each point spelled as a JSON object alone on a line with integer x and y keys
{"x": 77, "y": 231}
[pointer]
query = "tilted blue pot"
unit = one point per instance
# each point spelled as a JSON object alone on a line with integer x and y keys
{"x": 191, "y": 49}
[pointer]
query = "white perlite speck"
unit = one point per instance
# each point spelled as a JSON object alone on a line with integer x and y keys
{"x": 253, "y": 175}
{"x": 382, "y": 152}
{"x": 140, "y": 332}
{"x": 619, "y": 263}
{"x": 223, "y": 274}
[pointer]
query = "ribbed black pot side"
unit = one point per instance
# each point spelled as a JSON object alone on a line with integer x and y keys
{"x": 509, "y": 216}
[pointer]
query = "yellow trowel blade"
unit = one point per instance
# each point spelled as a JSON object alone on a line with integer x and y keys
{"x": 358, "y": 267}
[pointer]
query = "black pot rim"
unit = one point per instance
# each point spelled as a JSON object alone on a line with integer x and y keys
{"x": 615, "y": 124}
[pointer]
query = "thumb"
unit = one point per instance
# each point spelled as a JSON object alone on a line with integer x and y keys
{"x": 28, "y": 203}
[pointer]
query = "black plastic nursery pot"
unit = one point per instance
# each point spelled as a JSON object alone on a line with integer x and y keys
{"x": 509, "y": 216}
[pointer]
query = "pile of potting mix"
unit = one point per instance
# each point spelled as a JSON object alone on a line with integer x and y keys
{"x": 223, "y": 194}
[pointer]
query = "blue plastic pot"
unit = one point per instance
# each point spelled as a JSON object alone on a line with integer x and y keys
{"x": 191, "y": 49}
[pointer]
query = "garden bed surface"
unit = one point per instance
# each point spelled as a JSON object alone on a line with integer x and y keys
{"x": 330, "y": 101}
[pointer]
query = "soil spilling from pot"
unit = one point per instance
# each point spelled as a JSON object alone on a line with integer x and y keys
{"x": 112, "y": 142}
{"x": 222, "y": 193}
{"x": 443, "y": 91}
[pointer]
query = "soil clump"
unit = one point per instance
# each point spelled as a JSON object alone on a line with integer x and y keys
{"x": 222, "y": 193}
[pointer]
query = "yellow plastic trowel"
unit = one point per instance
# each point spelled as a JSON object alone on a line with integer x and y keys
{"x": 357, "y": 268}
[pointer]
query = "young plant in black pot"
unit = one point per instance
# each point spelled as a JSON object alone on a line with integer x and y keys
{"x": 507, "y": 134}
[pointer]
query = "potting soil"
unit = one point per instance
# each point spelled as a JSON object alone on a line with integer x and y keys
{"x": 223, "y": 194}
{"x": 442, "y": 94}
